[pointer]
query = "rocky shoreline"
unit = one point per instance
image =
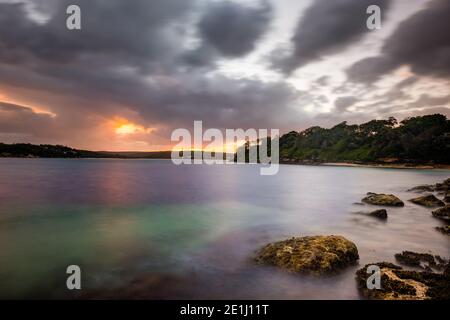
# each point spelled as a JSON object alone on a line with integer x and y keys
{"x": 422, "y": 276}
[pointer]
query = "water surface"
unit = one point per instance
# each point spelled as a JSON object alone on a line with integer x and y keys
{"x": 150, "y": 229}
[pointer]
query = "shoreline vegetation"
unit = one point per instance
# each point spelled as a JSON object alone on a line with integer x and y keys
{"x": 418, "y": 143}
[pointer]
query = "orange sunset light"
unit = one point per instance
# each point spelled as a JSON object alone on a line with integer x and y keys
{"x": 125, "y": 127}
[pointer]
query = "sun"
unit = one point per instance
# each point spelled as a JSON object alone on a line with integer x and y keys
{"x": 125, "y": 127}
{"x": 128, "y": 128}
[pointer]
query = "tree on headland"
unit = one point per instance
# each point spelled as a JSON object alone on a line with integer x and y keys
{"x": 416, "y": 139}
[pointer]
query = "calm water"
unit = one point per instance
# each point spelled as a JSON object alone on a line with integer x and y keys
{"x": 149, "y": 229}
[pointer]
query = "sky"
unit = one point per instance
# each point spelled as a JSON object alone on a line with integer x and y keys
{"x": 139, "y": 69}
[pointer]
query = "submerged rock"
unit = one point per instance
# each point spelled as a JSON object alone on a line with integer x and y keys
{"x": 423, "y": 188}
{"x": 442, "y": 213}
{"x": 422, "y": 260}
{"x": 400, "y": 284}
{"x": 316, "y": 255}
{"x": 444, "y": 229}
{"x": 380, "y": 214}
{"x": 428, "y": 201}
{"x": 383, "y": 199}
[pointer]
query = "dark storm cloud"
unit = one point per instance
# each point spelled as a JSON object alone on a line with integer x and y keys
{"x": 229, "y": 29}
{"x": 233, "y": 29}
{"x": 325, "y": 28}
{"x": 125, "y": 58}
{"x": 139, "y": 33}
{"x": 421, "y": 42}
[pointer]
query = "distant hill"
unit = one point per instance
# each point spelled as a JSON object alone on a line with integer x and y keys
{"x": 424, "y": 139}
{"x": 25, "y": 150}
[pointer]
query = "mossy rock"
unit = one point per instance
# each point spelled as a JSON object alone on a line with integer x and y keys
{"x": 442, "y": 213}
{"x": 380, "y": 199}
{"x": 315, "y": 255}
{"x": 428, "y": 201}
{"x": 422, "y": 260}
{"x": 400, "y": 284}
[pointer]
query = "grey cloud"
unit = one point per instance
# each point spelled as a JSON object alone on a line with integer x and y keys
{"x": 407, "y": 82}
{"x": 421, "y": 42}
{"x": 233, "y": 29}
{"x": 135, "y": 34}
{"x": 16, "y": 119}
{"x": 343, "y": 103}
{"x": 428, "y": 101}
{"x": 325, "y": 28}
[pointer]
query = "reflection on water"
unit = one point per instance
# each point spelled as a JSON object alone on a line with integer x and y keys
{"x": 149, "y": 229}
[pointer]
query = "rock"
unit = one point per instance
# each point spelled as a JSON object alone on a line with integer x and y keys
{"x": 422, "y": 260}
{"x": 428, "y": 201}
{"x": 380, "y": 214}
{"x": 400, "y": 284}
{"x": 383, "y": 200}
{"x": 423, "y": 188}
{"x": 444, "y": 186}
{"x": 447, "y": 197}
{"x": 444, "y": 229}
{"x": 442, "y": 213}
{"x": 315, "y": 255}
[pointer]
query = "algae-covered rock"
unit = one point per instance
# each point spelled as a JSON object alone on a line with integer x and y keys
{"x": 428, "y": 201}
{"x": 315, "y": 255}
{"x": 442, "y": 213}
{"x": 400, "y": 284}
{"x": 381, "y": 199}
{"x": 422, "y": 260}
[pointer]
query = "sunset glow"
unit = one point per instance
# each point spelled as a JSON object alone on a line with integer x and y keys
{"x": 123, "y": 127}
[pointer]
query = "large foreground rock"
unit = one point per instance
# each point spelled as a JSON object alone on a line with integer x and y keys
{"x": 400, "y": 284}
{"x": 381, "y": 199}
{"x": 428, "y": 201}
{"x": 442, "y": 213}
{"x": 316, "y": 255}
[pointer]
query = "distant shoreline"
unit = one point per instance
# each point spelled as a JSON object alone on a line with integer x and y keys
{"x": 315, "y": 164}
{"x": 374, "y": 165}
